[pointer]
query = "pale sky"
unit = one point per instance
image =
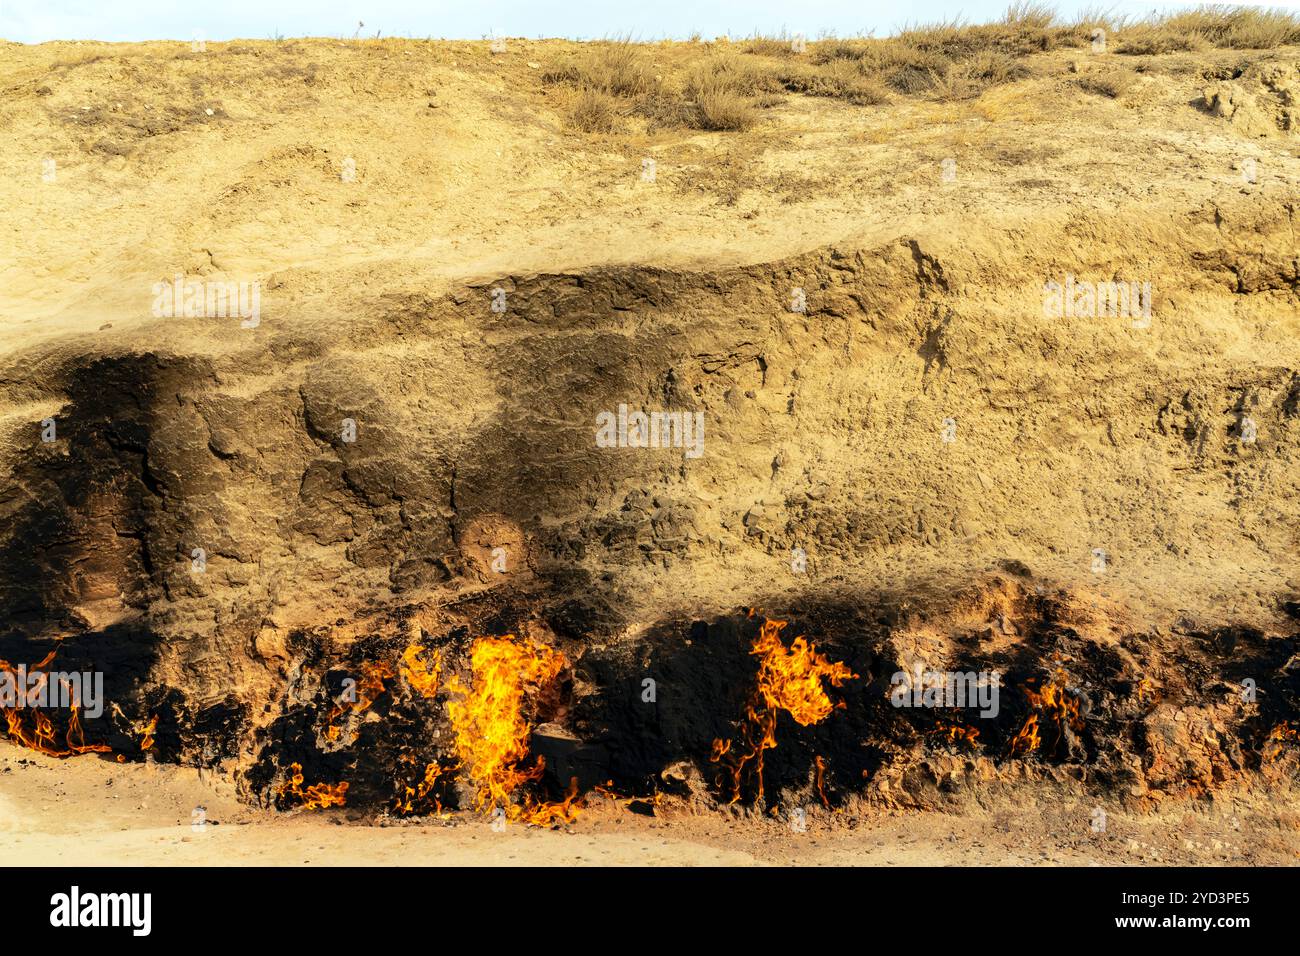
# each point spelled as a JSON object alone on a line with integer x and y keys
{"x": 35, "y": 21}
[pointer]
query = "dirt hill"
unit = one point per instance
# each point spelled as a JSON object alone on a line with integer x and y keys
{"x": 924, "y": 439}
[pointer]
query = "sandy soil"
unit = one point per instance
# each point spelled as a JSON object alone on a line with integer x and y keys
{"x": 92, "y": 812}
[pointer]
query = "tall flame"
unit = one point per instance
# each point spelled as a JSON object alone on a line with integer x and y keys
{"x": 790, "y": 680}
{"x": 492, "y": 732}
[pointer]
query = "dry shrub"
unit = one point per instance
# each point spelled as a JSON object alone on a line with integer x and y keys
{"x": 1026, "y": 28}
{"x": 891, "y": 55}
{"x": 841, "y": 79}
{"x": 948, "y": 60}
{"x": 913, "y": 79}
{"x": 594, "y": 112}
{"x": 665, "y": 109}
{"x": 1146, "y": 39}
{"x": 947, "y": 37}
{"x": 974, "y": 76}
{"x": 781, "y": 45}
{"x": 615, "y": 67}
{"x": 1080, "y": 32}
{"x": 992, "y": 68}
{"x": 1241, "y": 28}
{"x": 828, "y": 51}
{"x": 1025, "y": 15}
{"x": 732, "y": 73}
{"x": 723, "y": 109}
{"x": 722, "y": 91}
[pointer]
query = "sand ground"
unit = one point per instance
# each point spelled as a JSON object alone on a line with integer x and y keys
{"x": 92, "y": 812}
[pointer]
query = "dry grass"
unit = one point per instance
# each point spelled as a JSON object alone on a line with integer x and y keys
{"x": 722, "y": 92}
{"x": 594, "y": 112}
{"x": 1110, "y": 83}
{"x": 992, "y": 68}
{"x": 722, "y": 109}
{"x": 780, "y": 45}
{"x": 842, "y": 79}
{"x": 614, "y": 67}
{"x": 1234, "y": 28}
{"x": 1148, "y": 39}
{"x": 948, "y": 61}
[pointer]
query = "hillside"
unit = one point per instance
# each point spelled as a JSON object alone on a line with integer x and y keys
{"x": 842, "y": 256}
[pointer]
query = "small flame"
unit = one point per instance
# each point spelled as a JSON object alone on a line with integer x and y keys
{"x": 654, "y": 801}
{"x": 790, "y": 680}
{"x": 957, "y": 733}
{"x": 146, "y": 732}
{"x": 1145, "y": 687}
{"x": 1027, "y": 738}
{"x": 317, "y": 796}
{"x": 422, "y": 675}
{"x": 1277, "y": 740}
{"x": 417, "y": 799}
{"x": 369, "y": 688}
{"x": 1055, "y": 703}
{"x": 40, "y": 735}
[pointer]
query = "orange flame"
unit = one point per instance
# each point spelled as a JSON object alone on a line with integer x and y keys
{"x": 146, "y": 732}
{"x": 369, "y": 688}
{"x": 790, "y": 680}
{"x": 40, "y": 735}
{"x": 820, "y": 765}
{"x": 492, "y": 733}
{"x": 317, "y": 796}
{"x": 424, "y": 792}
{"x": 1053, "y": 703}
{"x": 1027, "y": 738}
{"x": 653, "y": 801}
{"x": 422, "y": 675}
{"x": 371, "y": 684}
{"x": 1144, "y": 688}
{"x": 955, "y": 732}
{"x": 1277, "y": 740}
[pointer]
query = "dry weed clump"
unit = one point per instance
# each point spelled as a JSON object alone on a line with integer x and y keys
{"x": 594, "y": 112}
{"x": 614, "y": 67}
{"x": 722, "y": 92}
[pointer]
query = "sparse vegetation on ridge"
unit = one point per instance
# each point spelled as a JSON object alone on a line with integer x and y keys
{"x": 729, "y": 84}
